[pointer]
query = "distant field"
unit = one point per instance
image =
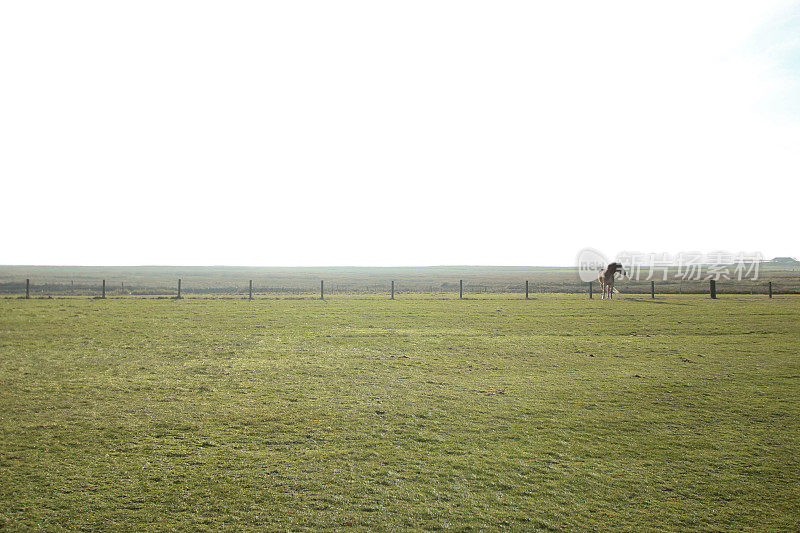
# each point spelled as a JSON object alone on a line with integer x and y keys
{"x": 555, "y": 413}
{"x": 276, "y": 282}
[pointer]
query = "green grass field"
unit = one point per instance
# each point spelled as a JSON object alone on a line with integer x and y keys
{"x": 554, "y": 413}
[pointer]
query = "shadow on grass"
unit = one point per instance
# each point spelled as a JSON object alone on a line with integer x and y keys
{"x": 655, "y": 301}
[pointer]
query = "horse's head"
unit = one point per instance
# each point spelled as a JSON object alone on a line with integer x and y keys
{"x": 613, "y": 268}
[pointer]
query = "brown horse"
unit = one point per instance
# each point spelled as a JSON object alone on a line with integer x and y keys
{"x": 606, "y": 278}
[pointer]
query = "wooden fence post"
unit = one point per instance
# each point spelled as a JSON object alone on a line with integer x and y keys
{"x": 251, "y": 289}
{"x": 652, "y": 289}
{"x": 104, "y": 289}
{"x": 392, "y": 289}
{"x": 27, "y": 289}
{"x": 590, "y": 290}
{"x": 526, "y": 289}
{"x": 713, "y": 285}
{"x": 321, "y": 289}
{"x": 179, "y": 288}
{"x": 460, "y": 289}
{"x": 770, "y": 289}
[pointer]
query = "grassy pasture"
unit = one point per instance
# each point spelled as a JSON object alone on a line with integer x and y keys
{"x": 558, "y": 412}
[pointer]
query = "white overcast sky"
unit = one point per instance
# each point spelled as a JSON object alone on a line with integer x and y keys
{"x": 396, "y": 133}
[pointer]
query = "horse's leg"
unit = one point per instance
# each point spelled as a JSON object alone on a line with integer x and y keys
{"x": 611, "y": 288}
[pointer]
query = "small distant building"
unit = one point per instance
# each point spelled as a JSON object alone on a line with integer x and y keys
{"x": 784, "y": 261}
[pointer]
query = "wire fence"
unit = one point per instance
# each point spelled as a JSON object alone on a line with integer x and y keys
{"x": 322, "y": 289}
